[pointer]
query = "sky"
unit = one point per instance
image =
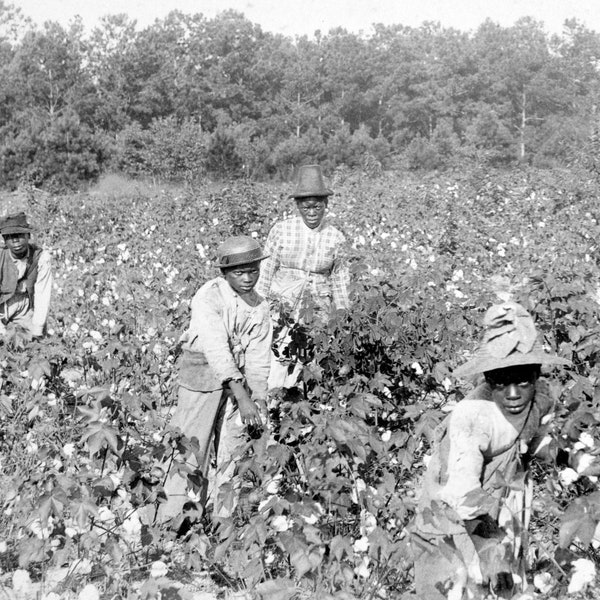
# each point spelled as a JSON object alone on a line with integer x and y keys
{"x": 304, "y": 17}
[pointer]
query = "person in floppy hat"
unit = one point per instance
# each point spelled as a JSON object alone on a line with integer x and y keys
{"x": 305, "y": 259}
{"x": 223, "y": 371}
{"x": 25, "y": 278}
{"x": 475, "y": 501}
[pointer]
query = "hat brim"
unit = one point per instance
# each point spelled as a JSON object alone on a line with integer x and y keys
{"x": 15, "y": 229}
{"x": 242, "y": 261}
{"x": 319, "y": 194}
{"x": 484, "y": 362}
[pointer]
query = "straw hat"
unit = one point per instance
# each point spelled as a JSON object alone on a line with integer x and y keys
{"x": 239, "y": 250}
{"x": 310, "y": 183}
{"x": 510, "y": 339}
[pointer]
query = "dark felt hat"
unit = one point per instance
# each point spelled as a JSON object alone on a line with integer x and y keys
{"x": 16, "y": 223}
{"x": 239, "y": 250}
{"x": 310, "y": 183}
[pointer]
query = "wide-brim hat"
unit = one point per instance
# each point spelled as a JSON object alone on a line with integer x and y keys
{"x": 483, "y": 361}
{"x": 510, "y": 340}
{"x": 310, "y": 183}
{"x": 16, "y": 223}
{"x": 239, "y": 250}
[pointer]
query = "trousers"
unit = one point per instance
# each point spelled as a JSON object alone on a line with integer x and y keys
{"x": 212, "y": 418}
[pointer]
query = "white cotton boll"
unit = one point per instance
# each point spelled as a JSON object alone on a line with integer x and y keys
{"x": 158, "y": 569}
{"x": 273, "y": 486}
{"x": 361, "y": 544}
{"x": 584, "y": 574}
{"x": 280, "y": 523}
{"x": 310, "y": 519}
{"x": 105, "y": 514}
{"x": 587, "y": 440}
{"x": 584, "y": 461}
{"x": 543, "y": 582}
{"x": 131, "y": 528}
{"x": 368, "y": 523}
{"x": 416, "y": 367}
{"x": 21, "y": 582}
{"x": 89, "y": 592}
{"x": 362, "y": 570}
{"x": 568, "y": 476}
{"x": 386, "y": 436}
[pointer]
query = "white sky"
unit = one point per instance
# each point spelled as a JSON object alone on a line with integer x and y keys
{"x": 299, "y": 17}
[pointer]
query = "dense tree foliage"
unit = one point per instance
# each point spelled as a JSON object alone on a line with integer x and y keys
{"x": 190, "y": 96}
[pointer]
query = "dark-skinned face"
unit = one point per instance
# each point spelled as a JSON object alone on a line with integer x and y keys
{"x": 312, "y": 210}
{"x": 242, "y": 278}
{"x": 17, "y": 243}
{"x": 513, "y": 388}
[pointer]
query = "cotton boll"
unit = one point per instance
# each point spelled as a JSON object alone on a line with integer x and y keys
{"x": 584, "y": 574}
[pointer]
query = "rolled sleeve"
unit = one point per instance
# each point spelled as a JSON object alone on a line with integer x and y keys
{"x": 258, "y": 357}
{"x": 468, "y": 439}
{"x": 207, "y": 334}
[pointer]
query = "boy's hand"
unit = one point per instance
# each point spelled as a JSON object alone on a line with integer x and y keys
{"x": 249, "y": 412}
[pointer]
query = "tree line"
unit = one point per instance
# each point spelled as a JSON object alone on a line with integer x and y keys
{"x": 190, "y": 97}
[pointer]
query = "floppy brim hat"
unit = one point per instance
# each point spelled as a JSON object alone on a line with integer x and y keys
{"x": 510, "y": 340}
{"x": 239, "y": 250}
{"x": 483, "y": 361}
{"x": 310, "y": 183}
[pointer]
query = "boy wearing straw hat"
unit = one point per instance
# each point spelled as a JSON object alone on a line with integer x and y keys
{"x": 224, "y": 370}
{"x": 475, "y": 503}
{"x": 25, "y": 278}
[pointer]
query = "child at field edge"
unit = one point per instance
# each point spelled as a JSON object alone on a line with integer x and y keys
{"x": 224, "y": 369}
{"x": 25, "y": 278}
{"x": 470, "y": 529}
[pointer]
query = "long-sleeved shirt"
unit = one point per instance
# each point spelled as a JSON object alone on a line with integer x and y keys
{"x": 304, "y": 259}
{"x": 18, "y": 308}
{"x": 226, "y": 339}
{"x": 479, "y": 451}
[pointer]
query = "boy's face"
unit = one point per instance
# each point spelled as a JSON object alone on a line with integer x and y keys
{"x": 242, "y": 278}
{"x": 17, "y": 243}
{"x": 513, "y": 388}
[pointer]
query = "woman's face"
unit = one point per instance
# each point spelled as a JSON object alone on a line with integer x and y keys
{"x": 312, "y": 210}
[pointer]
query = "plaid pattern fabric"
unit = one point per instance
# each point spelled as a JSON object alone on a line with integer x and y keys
{"x": 296, "y": 250}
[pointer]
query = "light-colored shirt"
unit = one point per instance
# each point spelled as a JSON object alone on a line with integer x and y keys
{"x": 304, "y": 259}
{"x": 233, "y": 337}
{"x": 479, "y": 450}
